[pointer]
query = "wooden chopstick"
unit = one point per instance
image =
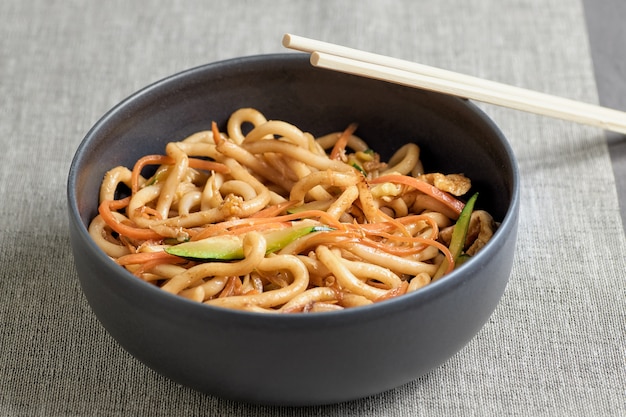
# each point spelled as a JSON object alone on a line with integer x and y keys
{"x": 366, "y": 64}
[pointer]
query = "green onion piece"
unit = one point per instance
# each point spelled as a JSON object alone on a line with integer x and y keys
{"x": 358, "y": 168}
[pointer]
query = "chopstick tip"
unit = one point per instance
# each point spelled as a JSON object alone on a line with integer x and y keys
{"x": 286, "y": 40}
{"x": 315, "y": 58}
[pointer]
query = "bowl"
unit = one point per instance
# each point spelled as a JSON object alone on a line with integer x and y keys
{"x": 299, "y": 359}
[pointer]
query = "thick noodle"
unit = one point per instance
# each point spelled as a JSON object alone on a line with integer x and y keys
{"x": 375, "y": 230}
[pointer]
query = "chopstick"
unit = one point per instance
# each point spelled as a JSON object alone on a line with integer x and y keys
{"x": 380, "y": 67}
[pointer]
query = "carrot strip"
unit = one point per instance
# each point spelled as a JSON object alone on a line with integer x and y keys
{"x": 217, "y": 138}
{"x": 151, "y": 264}
{"x": 275, "y": 210}
{"x": 408, "y": 250}
{"x": 147, "y": 211}
{"x": 346, "y": 238}
{"x": 210, "y": 230}
{"x": 105, "y": 210}
{"x": 196, "y": 163}
{"x": 385, "y": 226}
{"x": 257, "y": 227}
{"x": 233, "y": 287}
{"x": 423, "y": 186}
{"x": 401, "y": 239}
{"x": 255, "y": 221}
{"x": 206, "y": 165}
{"x": 395, "y": 222}
{"x": 384, "y": 246}
{"x": 431, "y": 222}
{"x": 143, "y": 257}
{"x": 141, "y": 163}
{"x": 342, "y": 142}
{"x": 119, "y": 204}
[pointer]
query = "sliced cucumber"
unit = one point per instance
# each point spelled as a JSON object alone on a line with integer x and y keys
{"x": 225, "y": 247}
{"x": 278, "y": 239}
{"x": 228, "y": 247}
{"x": 459, "y": 235}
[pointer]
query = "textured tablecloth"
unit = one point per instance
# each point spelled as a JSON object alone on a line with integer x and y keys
{"x": 556, "y": 345}
{"x": 607, "y": 34}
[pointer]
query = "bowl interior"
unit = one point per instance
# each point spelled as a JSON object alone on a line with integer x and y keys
{"x": 453, "y": 135}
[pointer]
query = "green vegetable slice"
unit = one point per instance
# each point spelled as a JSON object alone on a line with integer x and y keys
{"x": 358, "y": 168}
{"x": 459, "y": 235}
{"x": 228, "y": 247}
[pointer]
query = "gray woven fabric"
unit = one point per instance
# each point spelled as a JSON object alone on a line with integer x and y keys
{"x": 556, "y": 345}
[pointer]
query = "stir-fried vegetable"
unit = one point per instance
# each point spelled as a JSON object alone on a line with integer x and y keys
{"x": 230, "y": 247}
{"x": 459, "y": 235}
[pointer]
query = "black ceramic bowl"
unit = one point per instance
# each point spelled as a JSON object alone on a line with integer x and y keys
{"x": 301, "y": 359}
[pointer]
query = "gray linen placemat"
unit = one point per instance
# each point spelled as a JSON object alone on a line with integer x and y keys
{"x": 556, "y": 343}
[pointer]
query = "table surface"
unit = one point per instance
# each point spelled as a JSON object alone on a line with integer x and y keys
{"x": 606, "y": 36}
{"x": 554, "y": 346}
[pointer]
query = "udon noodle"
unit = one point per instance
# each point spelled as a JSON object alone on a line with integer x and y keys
{"x": 377, "y": 229}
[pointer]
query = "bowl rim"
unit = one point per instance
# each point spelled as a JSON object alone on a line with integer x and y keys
{"x": 376, "y": 310}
